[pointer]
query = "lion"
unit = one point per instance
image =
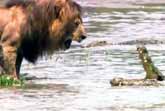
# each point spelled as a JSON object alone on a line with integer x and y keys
{"x": 33, "y": 28}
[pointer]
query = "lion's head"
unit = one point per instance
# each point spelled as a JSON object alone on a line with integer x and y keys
{"x": 69, "y": 25}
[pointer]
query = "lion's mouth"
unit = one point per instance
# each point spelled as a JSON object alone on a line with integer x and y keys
{"x": 67, "y": 43}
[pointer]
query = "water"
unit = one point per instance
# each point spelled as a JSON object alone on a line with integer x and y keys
{"x": 78, "y": 79}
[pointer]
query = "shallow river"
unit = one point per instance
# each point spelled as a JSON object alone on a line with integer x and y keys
{"x": 78, "y": 79}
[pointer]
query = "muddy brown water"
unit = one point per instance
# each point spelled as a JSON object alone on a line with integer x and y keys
{"x": 78, "y": 79}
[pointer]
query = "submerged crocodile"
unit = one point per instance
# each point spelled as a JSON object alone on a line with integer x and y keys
{"x": 97, "y": 44}
{"x": 118, "y": 81}
{"x": 142, "y": 41}
{"x": 131, "y": 42}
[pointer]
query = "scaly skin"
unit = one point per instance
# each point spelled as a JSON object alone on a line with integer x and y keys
{"x": 152, "y": 72}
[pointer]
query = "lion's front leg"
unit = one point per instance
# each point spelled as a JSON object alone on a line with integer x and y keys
{"x": 10, "y": 41}
{"x": 9, "y": 53}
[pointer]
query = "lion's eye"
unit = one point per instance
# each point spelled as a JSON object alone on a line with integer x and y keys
{"x": 77, "y": 23}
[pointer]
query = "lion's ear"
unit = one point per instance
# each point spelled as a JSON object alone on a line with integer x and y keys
{"x": 65, "y": 14}
{"x": 60, "y": 3}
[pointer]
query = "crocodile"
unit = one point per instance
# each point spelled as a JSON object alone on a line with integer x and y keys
{"x": 153, "y": 74}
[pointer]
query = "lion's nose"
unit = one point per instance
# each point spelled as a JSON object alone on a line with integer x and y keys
{"x": 82, "y": 38}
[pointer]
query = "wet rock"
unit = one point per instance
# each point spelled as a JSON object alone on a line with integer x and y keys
{"x": 134, "y": 82}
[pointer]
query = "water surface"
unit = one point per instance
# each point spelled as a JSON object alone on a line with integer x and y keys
{"x": 78, "y": 79}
